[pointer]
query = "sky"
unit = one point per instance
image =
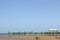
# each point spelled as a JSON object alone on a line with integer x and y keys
{"x": 29, "y": 15}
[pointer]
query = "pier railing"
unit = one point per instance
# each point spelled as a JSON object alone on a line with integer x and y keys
{"x": 36, "y": 33}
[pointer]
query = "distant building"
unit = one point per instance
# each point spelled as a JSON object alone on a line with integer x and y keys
{"x": 52, "y": 30}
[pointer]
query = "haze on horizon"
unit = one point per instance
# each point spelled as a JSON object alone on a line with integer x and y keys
{"x": 29, "y": 15}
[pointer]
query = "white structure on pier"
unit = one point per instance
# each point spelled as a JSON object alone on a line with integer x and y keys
{"x": 53, "y": 30}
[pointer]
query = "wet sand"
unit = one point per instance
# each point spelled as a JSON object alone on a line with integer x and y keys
{"x": 11, "y": 37}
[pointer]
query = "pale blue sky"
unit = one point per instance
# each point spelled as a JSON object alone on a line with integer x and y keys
{"x": 29, "y": 15}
